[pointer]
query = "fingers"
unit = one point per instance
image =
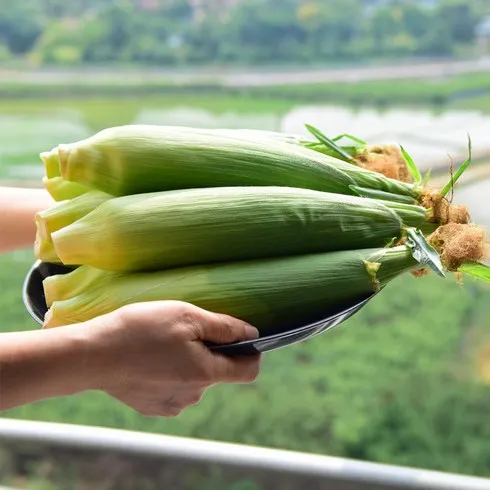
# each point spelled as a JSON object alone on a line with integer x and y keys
{"x": 174, "y": 405}
{"x": 241, "y": 370}
{"x": 194, "y": 322}
{"x": 161, "y": 406}
{"x": 179, "y": 329}
{"x": 223, "y": 329}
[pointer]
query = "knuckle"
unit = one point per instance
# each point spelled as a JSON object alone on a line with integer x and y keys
{"x": 236, "y": 326}
{"x": 122, "y": 315}
{"x": 189, "y": 315}
{"x": 230, "y": 328}
{"x": 224, "y": 332}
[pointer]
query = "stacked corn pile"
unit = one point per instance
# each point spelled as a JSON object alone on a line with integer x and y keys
{"x": 263, "y": 226}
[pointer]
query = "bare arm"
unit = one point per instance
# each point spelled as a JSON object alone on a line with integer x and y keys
{"x": 18, "y": 207}
{"x": 149, "y": 356}
{"x": 41, "y": 364}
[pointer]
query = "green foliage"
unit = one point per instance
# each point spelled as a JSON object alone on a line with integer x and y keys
{"x": 4, "y": 53}
{"x": 431, "y": 418}
{"x": 244, "y": 32}
{"x": 20, "y": 25}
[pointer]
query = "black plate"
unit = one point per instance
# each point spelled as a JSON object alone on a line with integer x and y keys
{"x": 35, "y": 303}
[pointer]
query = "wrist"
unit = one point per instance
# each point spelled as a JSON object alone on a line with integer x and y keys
{"x": 103, "y": 355}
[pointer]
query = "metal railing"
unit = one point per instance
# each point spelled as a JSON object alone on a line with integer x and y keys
{"x": 326, "y": 468}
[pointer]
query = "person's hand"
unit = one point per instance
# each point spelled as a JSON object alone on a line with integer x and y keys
{"x": 151, "y": 356}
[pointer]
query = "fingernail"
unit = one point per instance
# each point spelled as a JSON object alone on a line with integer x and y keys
{"x": 251, "y": 332}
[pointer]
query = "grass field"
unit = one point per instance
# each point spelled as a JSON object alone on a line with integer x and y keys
{"x": 404, "y": 91}
{"x": 480, "y": 103}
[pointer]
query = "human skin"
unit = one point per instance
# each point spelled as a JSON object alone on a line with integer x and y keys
{"x": 18, "y": 207}
{"x": 150, "y": 356}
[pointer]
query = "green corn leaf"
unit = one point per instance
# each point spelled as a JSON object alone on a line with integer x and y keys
{"x": 382, "y": 195}
{"x": 413, "y": 169}
{"x": 351, "y": 137}
{"x": 322, "y": 138}
{"x": 459, "y": 172}
{"x": 476, "y": 270}
{"x": 426, "y": 178}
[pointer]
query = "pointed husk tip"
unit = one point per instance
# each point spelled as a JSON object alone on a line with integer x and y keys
{"x": 51, "y": 163}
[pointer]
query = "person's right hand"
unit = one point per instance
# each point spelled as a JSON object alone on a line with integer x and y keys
{"x": 151, "y": 356}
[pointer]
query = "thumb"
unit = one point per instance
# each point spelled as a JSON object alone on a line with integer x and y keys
{"x": 224, "y": 329}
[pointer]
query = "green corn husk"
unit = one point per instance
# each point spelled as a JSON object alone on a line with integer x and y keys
{"x": 65, "y": 286}
{"x": 51, "y": 163}
{"x": 67, "y": 212}
{"x": 61, "y": 215}
{"x": 271, "y": 294}
{"x": 138, "y": 159}
{"x": 391, "y": 161}
{"x": 44, "y": 250}
{"x": 347, "y": 153}
{"x": 196, "y": 226}
{"x": 58, "y": 188}
{"x": 61, "y": 189}
{"x": 247, "y": 134}
{"x": 373, "y": 158}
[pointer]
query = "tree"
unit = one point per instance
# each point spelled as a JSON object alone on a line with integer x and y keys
{"x": 244, "y": 31}
{"x": 459, "y": 19}
{"x": 20, "y": 25}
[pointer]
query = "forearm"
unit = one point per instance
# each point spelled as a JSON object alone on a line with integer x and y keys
{"x": 17, "y": 211}
{"x": 42, "y": 364}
